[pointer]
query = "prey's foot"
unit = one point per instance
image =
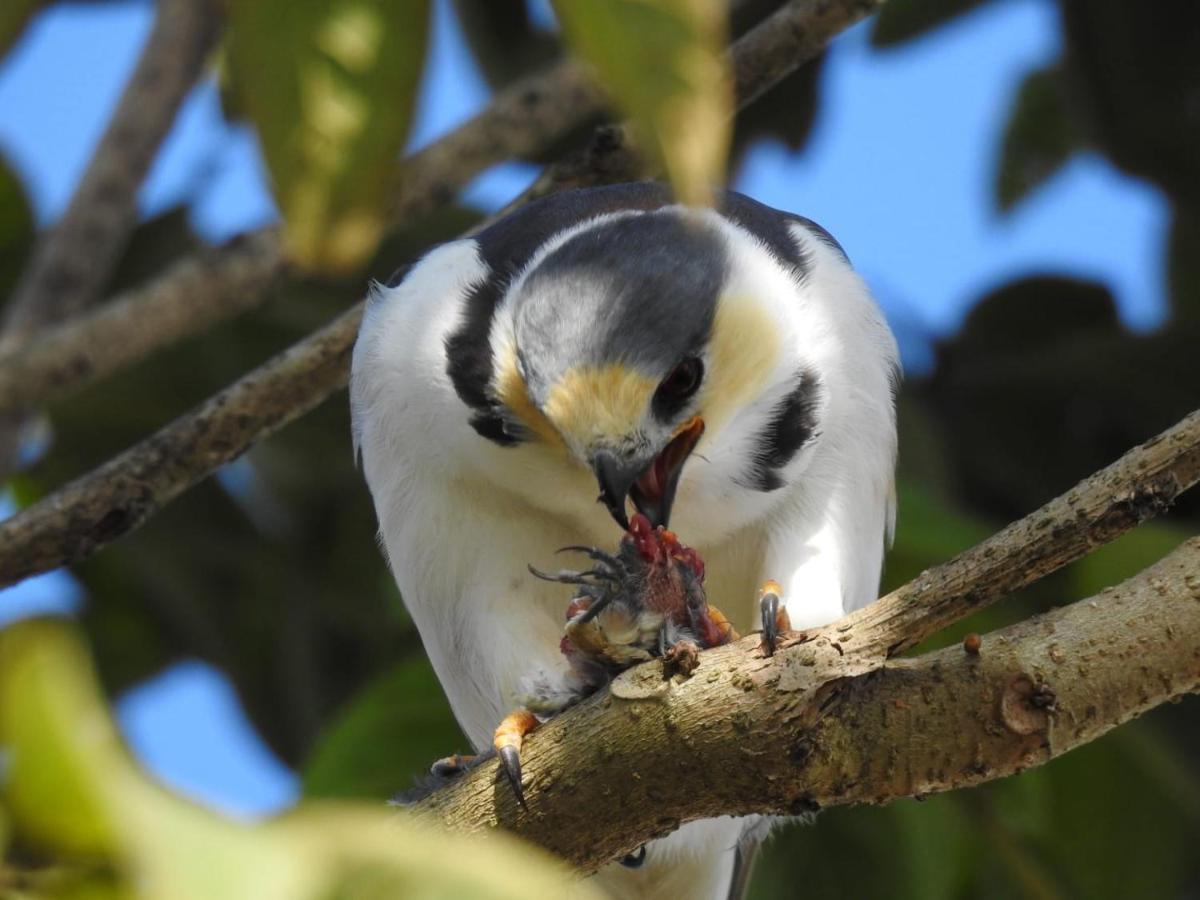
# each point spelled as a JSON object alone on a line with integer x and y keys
{"x": 774, "y": 614}
{"x": 507, "y": 741}
{"x": 681, "y": 657}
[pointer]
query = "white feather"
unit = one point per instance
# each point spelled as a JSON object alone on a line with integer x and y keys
{"x": 461, "y": 518}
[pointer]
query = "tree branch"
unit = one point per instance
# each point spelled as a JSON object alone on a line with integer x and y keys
{"x": 213, "y": 285}
{"x": 115, "y": 498}
{"x": 79, "y": 253}
{"x": 821, "y": 724}
{"x": 197, "y": 292}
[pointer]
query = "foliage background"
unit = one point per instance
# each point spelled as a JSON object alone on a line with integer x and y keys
{"x": 1049, "y": 312}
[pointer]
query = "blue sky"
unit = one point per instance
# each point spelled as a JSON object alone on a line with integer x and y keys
{"x": 900, "y": 168}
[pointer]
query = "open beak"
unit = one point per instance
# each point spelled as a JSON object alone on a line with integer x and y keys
{"x": 650, "y": 484}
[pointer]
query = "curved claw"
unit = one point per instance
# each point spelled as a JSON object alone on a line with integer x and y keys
{"x": 510, "y": 765}
{"x": 774, "y": 617}
{"x": 636, "y": 859}
{"x": 566, "y": 577}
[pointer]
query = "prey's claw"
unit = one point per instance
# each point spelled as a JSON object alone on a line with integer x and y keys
{"x": 774, "y": 616}
{"x": 510, "y": 763}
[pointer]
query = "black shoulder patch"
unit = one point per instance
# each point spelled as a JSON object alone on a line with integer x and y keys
{"x": 770, "y": 226}
{"x": 506, "y": 247}
{"x": 793, "y": 425}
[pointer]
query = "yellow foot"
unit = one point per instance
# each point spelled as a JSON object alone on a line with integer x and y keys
{"x": 774, "y": 614}
{"x": 509, "y": 736}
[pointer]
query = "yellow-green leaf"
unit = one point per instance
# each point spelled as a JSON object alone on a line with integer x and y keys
{"x": 330, "y": 86}
{"x": 106, "y": 830}
{"x": 663, "y": 61}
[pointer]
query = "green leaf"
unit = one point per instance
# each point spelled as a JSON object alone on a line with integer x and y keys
{"x": 331, "y": 88}
{"x": 16, "y": 227}
{"x": 901, "y": 20}
{"x": 1040, "y": 137}
{"x": 663, "y": 62}
{"x": 386, "y": 737}
{"x": 72, "y": 792}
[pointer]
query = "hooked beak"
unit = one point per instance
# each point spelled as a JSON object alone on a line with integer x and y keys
{"x": 649, "y": 483}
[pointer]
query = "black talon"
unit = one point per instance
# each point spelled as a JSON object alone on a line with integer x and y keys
{"x": 566, "y": 577}
{"x": 510, "y": 764}
{"x": 635, "y": 859}
{"x": 613, "y": 562}
{"x": 769, "y": 606}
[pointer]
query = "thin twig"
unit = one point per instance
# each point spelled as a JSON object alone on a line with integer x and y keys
{"x": 118, "y": 496}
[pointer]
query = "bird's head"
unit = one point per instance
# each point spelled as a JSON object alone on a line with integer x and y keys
{"x": 637, "y": 343}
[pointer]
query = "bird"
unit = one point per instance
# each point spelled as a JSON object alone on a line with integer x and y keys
{"x": 526, "y": 387}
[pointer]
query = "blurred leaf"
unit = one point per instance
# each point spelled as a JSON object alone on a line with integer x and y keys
{"x": 900, "y": 20}
{"x": 504, "y": 39}
{"x": 74, "y": 794}
{"x": 386, "y": 737}
{"x": 1043, "y": 386}
{"x": 16, "y": 228}
{"x": 786, "y": 112}
{"x": 14, "y": 16}
{"x": 1136, "y": 71}
{"x": 331, "y": 87}
{"x": 663, "y": 61}
{"x": 272, "y": 573}
{"x": 1125, "y": 557}
{"x": 1040, "y": 137}
{"x": 1183, "y": 264}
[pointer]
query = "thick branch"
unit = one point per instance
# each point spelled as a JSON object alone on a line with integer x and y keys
{"x": 117, "y": 497}
{"x": 78, "y": 255}
{"x": 812, "y": 727}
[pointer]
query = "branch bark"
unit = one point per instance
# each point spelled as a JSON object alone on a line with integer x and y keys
{"x": 821, "y": 724}
{"x": 197, "y": 292}
{"x": 120, "y": 495}
{"x": 79, "y": 253}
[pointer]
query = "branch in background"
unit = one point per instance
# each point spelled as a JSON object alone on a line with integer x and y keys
{"x": 78, "y": 255}
{"x": 112, "y": 500}
{"x": 199, "y": 291}
{"x": 772, "y": 50}
{"x": 212, "y": 285}
{"x": 811, "y": 727}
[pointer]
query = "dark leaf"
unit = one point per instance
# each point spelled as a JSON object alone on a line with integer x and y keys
{"x": 1040, "y": 137}
{"x": 900, "y": 20}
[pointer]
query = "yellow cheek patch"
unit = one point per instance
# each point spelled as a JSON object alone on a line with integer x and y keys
{"x": 742, "y": 352}
{"x": 593, "y": 403}
{"x": 511, "y": 390}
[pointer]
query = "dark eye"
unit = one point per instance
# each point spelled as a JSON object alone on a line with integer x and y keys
{"x": 677, "y": 388}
